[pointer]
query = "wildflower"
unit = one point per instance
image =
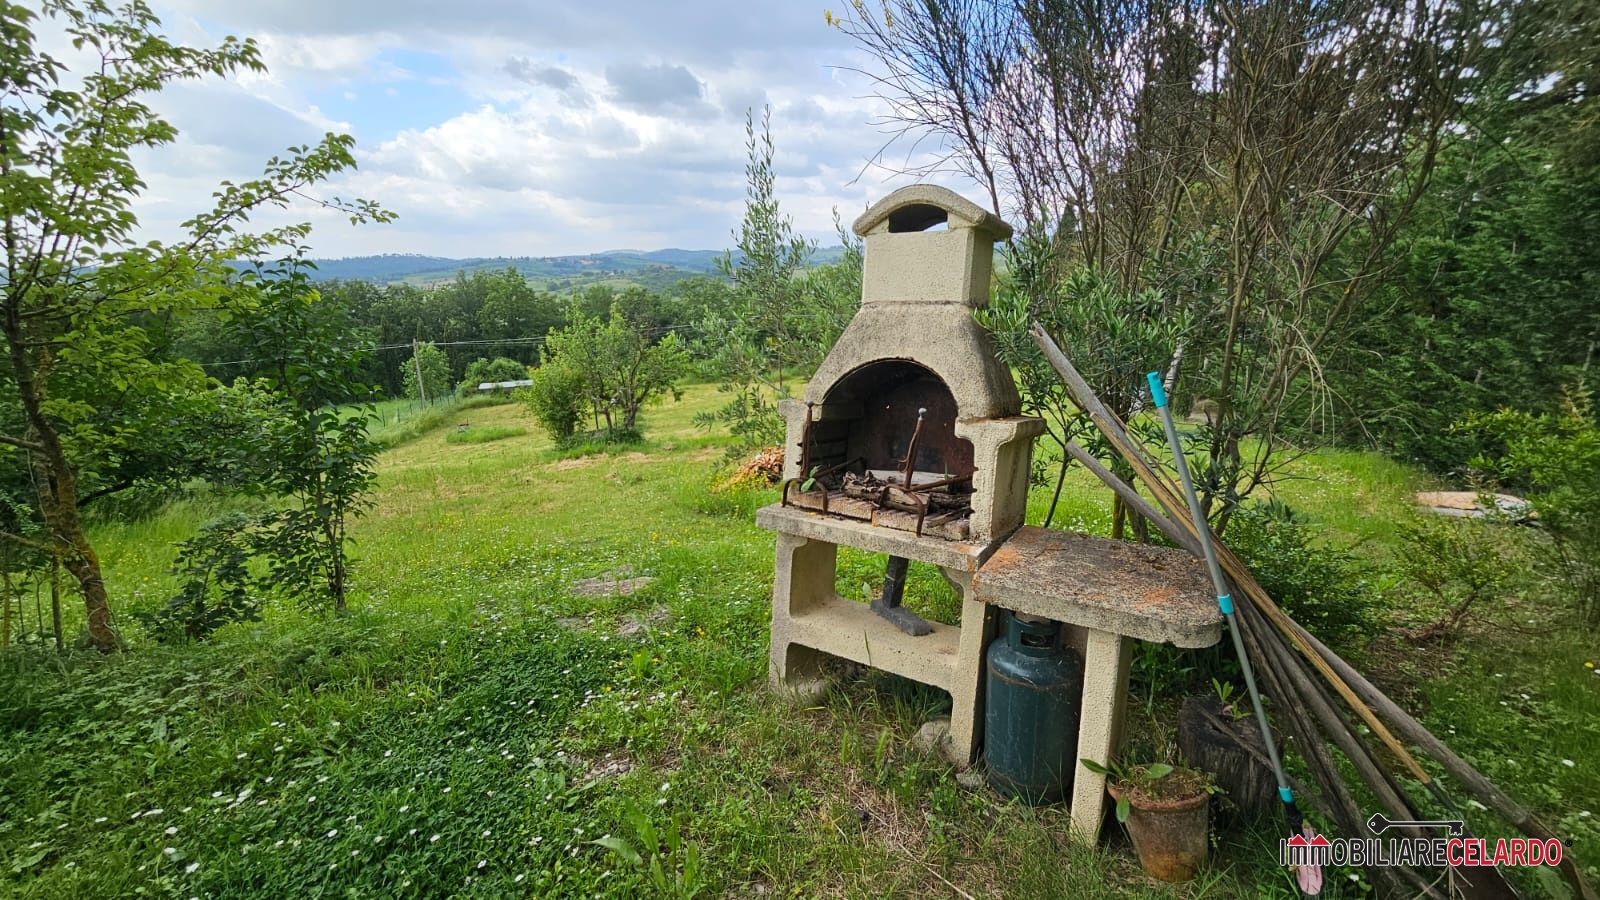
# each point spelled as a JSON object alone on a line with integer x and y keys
{"x": 241, "y": 756}
{"x": 434, "y": 839}
{"x": 486, "y": 832}
{"x": 482, "y": 863}
{"x": 1568, "y": 763}
{"x": 1584, "y": 814}
{"x": 1588, "y": 665}
{"x": 404, "y": 808}
{"x": 312, "y": 798}
{"x": 190, "y": 868}
{"x": 169, "y": 850}
{"x": 171, "y": 830}
{"x": 446, "y": 789}
{"x": 333, "y": 832}
{"x": 520, "y": 876}
{"x": 99, "y": 819}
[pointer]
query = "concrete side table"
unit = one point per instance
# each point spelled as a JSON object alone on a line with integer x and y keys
{"x": 1114, "y": 592}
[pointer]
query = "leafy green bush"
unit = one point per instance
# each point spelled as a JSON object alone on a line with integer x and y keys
{"x": 217, "y": 588}
{"x": 1323, "y": 588}
{"x": 1556, "y": 459}
{"x": 1459, "y": 564}
{"x": 556, "y": 398}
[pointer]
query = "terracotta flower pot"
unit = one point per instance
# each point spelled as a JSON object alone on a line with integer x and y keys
{"x": 1170, "y": 835}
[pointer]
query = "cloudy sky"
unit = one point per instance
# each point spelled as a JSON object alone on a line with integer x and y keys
{"x": 498, "y": 127}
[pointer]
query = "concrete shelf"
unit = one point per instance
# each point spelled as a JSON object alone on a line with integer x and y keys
{"x": 852, "y": 631}
{"x": 962, "y": 556}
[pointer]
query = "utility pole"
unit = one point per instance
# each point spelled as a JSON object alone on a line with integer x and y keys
{"x": 422, "y": 387}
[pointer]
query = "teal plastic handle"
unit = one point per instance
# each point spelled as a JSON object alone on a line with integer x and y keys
{"x": 1157, "y": 392}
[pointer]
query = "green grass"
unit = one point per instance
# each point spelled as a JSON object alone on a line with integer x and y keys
{"x": 473, "y": 695}
{"x": 485, "y": 434}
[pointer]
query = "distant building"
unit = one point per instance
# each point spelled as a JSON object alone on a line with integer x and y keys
{"x": 491, "y": 386}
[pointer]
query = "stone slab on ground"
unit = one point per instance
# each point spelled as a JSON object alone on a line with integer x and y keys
{"x": 1470, "y": 504}
{"x": 611, "y": 586}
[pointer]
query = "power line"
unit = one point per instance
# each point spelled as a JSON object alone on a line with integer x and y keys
{"x": 658, "y": 331}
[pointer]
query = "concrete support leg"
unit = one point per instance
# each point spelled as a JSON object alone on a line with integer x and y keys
{"x": 803, "y": 578}
{"x": 1105, "y": 699}
{"x": 966, "y": 684}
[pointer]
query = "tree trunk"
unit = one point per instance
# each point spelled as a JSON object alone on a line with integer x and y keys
{"x": 58, "y": 495}
{"x": 55, "y": 604}
{"x": 5, "y": 615}
{"x": 57, "y": 488}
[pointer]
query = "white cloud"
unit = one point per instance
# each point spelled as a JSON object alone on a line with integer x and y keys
{"x": 493, "y": 127}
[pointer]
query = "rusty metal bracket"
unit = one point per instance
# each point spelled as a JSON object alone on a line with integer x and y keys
{"x": 908, "y": 466}
{"x": 783, "y": 498}
{"x": 805, "y": 441}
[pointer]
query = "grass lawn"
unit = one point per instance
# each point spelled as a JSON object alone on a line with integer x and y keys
{"x": 488, "y": 721}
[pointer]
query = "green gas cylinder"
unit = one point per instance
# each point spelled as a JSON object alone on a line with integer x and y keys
{"x": 1032, "y": 703}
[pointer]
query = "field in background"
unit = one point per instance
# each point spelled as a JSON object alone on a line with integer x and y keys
{"x": 489, "y": 721}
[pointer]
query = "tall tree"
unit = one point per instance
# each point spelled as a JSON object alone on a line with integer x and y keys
{"x": 1251, "y": 159}
{"x": 766, "y": 329}
{"x": 427, "y": 375}
{"x": 1491, "y": 302}
{"x": 617, "y": 364}
{"x": 771, "y": 254}
{"x": 309, "y": 451}
{"x": 75, "y": 272}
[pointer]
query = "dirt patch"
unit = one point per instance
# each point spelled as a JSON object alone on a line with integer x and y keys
{"x": 609, "y": 766}
{"x": 567, "y": 465}
{"x": 611, "y": 586}
{"x": 655, "y": 618}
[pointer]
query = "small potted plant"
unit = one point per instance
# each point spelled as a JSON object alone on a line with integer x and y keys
{"x": 1165, "y": 809}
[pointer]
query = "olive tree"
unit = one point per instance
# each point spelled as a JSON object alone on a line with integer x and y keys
{"x": 1250, "y": 161}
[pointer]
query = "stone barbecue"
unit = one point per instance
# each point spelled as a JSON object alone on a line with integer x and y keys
{"x": 909, "y": 442}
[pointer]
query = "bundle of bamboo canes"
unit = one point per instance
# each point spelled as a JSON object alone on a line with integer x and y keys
{"x": 1315, "y": 692}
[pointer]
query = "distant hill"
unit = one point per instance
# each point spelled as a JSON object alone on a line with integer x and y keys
{"x": 653, "y": 268}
